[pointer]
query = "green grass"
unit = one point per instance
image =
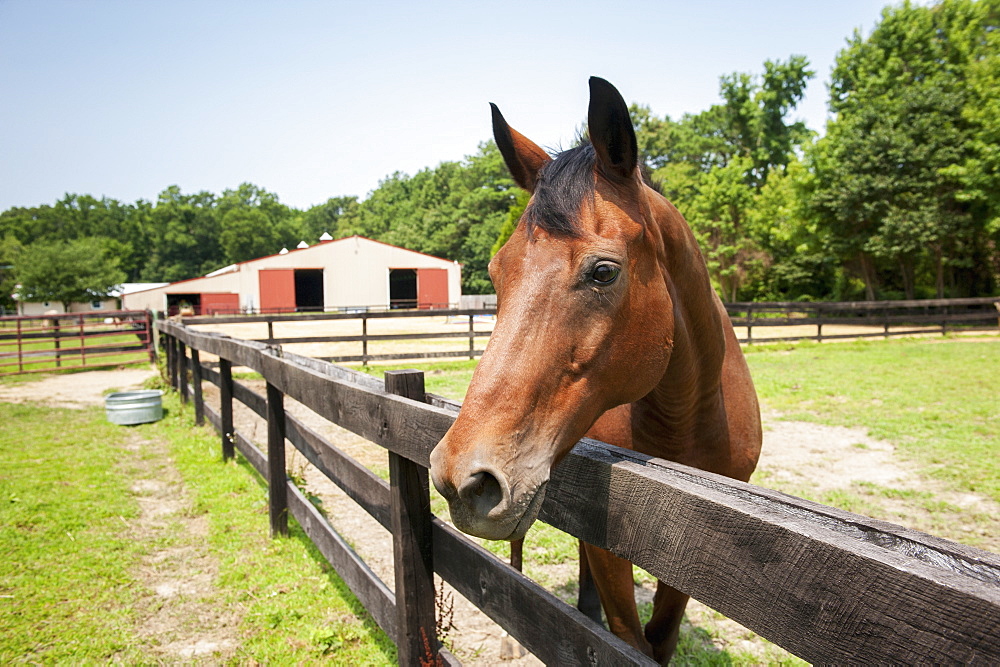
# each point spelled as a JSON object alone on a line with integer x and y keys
{"x": 70, "y": 589}
{"x": 937, "y": 400}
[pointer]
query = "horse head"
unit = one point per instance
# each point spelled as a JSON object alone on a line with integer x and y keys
{"x": 584, "y": 320}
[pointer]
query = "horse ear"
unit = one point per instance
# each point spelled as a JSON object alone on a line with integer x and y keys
{"x": 523, "y": 156}
{"x": 611, "y": 131}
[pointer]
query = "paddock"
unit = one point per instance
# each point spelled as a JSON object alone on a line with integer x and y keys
{"x": 825, "y": 584}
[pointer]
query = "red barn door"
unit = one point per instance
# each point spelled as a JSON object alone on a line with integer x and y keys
{"x": 432, "y": 288}
{"x": 277, "y": 290}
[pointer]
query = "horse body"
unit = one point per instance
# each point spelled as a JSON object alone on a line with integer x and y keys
{"x": 607, "y": 326}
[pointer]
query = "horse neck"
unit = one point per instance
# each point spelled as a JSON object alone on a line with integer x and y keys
{"x": 685, "y": 409}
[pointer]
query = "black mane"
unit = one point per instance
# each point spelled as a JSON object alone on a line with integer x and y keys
{"x": 561, "y": 188}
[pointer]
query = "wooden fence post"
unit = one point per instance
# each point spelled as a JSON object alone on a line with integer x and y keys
{"x": 226, "y": 407}
{"x": 182, "y": 370}
{"x": 20, "y": 350}
{"x": 472, "y": 336}
{"x": 364, "y": 340}
{"x": 167, "y": 342}
{"x": 411, "y": 541}
{"x": 56, "y": 341}
{"x": 83, "y": 344}
{"x": 277, "y": 476}
{"x": 199, "y": 403}
{"x": 749, "y": 325}
{"x": 819, "y": 324}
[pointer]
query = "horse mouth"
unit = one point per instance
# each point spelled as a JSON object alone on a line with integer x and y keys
{"x": 513, "y": 526}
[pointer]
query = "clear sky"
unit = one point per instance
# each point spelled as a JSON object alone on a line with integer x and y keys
{"x": 318, "y": 99}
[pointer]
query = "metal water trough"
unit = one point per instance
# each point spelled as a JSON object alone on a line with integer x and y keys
{"x": 134, "y": 407}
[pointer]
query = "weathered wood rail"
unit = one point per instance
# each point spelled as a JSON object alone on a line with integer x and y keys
{"x": 877, "y": 318}
{"x": 828, "y": 585}
{"x": 67, "y": 341}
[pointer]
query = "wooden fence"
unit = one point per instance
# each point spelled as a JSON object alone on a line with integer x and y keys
{"x": 865, "y": 319}
{"x": 66, "y": 341}
{"x": 827, "y": 585}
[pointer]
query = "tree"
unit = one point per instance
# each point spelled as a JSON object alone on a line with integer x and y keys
{"x": 67, "y": 271}
{"x": 714, "y": 165}
{"x": 10, "y": 252}
{"x": 184, "y": 236}
{"x": 891, "y": 189}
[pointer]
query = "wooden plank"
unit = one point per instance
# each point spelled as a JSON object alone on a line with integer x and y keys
{"x": 401, "y": 425}
{"x": 374, "y": 595}
{"x": 827, "y": 585}
{"x": 277, "y": 472}
{"x": 413, "y": 557}
{"x": 363, "y": 486}
{"x": 555, "y": 632}
{"x": 254, "y": 456}
{"x": 248, "y": 397}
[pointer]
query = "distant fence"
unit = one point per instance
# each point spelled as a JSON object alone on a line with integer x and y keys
{"x": 828, "y": 585}
{"x": 66, "y": 341}
{"x": 864, "y": 319}
{"x": 882, "y": 318}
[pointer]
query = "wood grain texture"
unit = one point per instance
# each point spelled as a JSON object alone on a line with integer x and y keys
{"x": 827, "y": 585}
{"x": 277, "y": 472}
{"x": 413, "y": 557}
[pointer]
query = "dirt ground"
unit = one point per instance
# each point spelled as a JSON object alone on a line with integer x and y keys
{"x": 794, "y": 452}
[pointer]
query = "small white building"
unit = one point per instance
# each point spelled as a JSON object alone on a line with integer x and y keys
{"x": 346, "y": 273}
{"x": 99, "y": 303}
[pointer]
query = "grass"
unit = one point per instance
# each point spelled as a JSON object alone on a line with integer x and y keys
{"x": 936, "y": 400}
{"x": 70, "y": 589}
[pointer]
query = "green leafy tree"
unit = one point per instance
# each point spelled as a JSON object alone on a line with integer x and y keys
{"x": 890, "y": 186}
{"x": 184, "y": 236}
{"x": 715, "y": 164}
{"x": 10, "y": 252}
{"x": 67, "y": 271}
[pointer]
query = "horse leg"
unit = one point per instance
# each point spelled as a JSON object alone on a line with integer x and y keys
{"x": 613, "y": 578}
{"x": 588, "y": 601}
{"x": 663, "y": 628}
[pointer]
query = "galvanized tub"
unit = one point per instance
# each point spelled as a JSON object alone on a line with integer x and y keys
{"x": 134, "y": 407}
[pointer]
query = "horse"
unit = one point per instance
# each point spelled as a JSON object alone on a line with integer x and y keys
{"x": 607, "y": 326}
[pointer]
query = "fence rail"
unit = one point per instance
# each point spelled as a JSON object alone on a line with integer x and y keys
{"x": 827, "y": 585}
{"x": 67, "y": 341}
{"x": 865, "y": 319}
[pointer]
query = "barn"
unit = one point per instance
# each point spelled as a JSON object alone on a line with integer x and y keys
{"x": 353, "y": 272}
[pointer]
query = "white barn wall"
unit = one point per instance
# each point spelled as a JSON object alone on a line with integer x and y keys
{"x": 355, "y": 273}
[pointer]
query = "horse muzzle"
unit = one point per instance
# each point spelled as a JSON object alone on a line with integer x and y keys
{"x": 482, "y": 499}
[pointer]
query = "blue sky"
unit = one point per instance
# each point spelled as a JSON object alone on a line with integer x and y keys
{"x": 317, "y": 99}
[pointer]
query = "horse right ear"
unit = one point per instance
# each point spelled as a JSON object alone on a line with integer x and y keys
{"x": 523, "y": 156}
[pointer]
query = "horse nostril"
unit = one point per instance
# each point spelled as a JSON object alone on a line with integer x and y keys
{"x": 483, "y": 492}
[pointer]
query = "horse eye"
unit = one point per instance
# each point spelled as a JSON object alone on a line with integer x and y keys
{"x": 605, "y": 274}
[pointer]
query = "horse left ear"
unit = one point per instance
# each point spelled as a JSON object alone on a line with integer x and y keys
{"x": 611, "y": 131}
{"x": 524, "y": 157}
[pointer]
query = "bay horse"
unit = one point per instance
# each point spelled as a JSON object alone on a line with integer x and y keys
{"x": 607, "y": 326}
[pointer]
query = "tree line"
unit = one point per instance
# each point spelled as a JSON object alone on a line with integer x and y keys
{"x": 900, "y": 198}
